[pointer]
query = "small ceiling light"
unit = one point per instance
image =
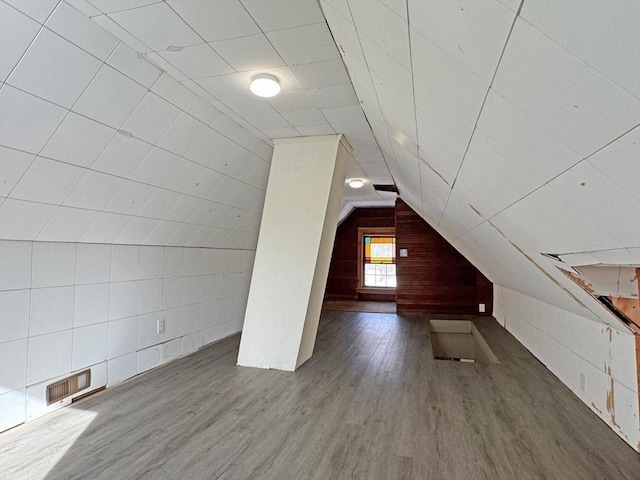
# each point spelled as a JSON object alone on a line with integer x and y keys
{"x": 265, "y": 85}
{"x": 356, "y": 183}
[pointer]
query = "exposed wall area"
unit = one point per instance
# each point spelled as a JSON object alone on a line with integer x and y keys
{"x": 595, "y": 361}
{"x": 433, "y": 278}
{"x": 342, "y": 282}
{"x": 116, "y": 309}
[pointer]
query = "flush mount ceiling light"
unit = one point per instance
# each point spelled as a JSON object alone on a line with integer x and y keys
{"x": 265, "y": 85}
{"x": 356, "y": 183}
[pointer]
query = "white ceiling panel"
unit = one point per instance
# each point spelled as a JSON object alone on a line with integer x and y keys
{"x": 250, "y": 106}
{"x": 207, "y": 148}
{"x": 547, "y": 223}
{"x": 303, "y": 118}
{"x": 158, "y": 26}
{"x": 136, "y": 231}
{"x": 248, "y": 53}
{"x": 520, "y": 139}
{"x": 446, "y": 78}
{"x": 22, "y": 220}
{"x": 183, "y": 134}
{"x": 127, "y": 61}
{"x": 198, "y": 61}
{"x": 13, "y": 165}
{"x": 332, "y": 97}
{"x": 216, "y": 20}
{"x": 54, "y": 69}
{"x": 183, "y": 176}
{"x": 329, "y": 73}
{"x": 131, "y": 198}
{"x": 224, "y": 87}
{"x": 78, "y": 140}
{"x": 619, "y": 162}
{"x": 601, "y": 200}
{"x": 67, "y": 225}
{"x": 47, "y": 181}
{"x": 393, "y": 38}
{"x": 106, "y": 228}
{"x": 306, "y": 44}
{"x": 183, "y": 208}
{"x": 311, "y": 130}
{"x": 116, "y": 30}
{"x": 122, "y": 156}
{"x": 112, "y": 6}
{"x": 443, "y": 133}
{"x": 562, "y": 94}
{"x": 485, "y": 169}
{"x": 398, "y": 109}
{"x": 94, "y": 191}
{"x": 343, "y": 29}
{"x": 604, "y": 35}
{"x": 27, "y": 122}
{"x": 162, "y": 233}
{"x": 166, "y": 67}
{"x": 76, "y": 27}
{"x": 472, "y": 32}
{"x": 282, "y": 132}
{"x": 293, "y": 100}
{"x": 100, "y": 101}
{"x": 281, "y": 14}
{"x": 434, "y": 193}
{"x": 460, "y": 215}
{"x": 159, "y": 203}
{"x": 394, "y": 74}
{"x": 151, "y": 119}
{"x": 205, "y": 183}
{"x": 17, "y": 31}
{"x": 39, "y": 10}
{"x": 270, "y": 120}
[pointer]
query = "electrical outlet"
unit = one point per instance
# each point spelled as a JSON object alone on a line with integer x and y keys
{"x": 161, "y": 324}
{"x": 582, "y": 382}
{"x": 481, "y": 308}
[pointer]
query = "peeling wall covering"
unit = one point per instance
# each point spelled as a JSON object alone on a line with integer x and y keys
{"x": 597, "y": 362}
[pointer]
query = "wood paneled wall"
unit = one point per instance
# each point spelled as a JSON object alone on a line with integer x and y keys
{"x": 342, "y": 282}
{"x": 434, "y": 277}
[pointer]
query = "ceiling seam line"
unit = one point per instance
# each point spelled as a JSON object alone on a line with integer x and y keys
{"x": 279, "y": 56}
{"x": 415, "y": 109}
{"x": 121, "y": 11}
{"x": 364, "y": 57}
{"x": 475, "y": 126}
{"x": 551, "y": 180}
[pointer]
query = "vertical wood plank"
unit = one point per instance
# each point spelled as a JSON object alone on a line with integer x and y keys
{"x": 435, "y": 278}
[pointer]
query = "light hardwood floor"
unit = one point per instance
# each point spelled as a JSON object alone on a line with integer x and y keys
{"x": 371, "y": 403}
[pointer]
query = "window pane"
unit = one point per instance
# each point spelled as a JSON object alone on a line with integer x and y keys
{"x": 379, "y": 261}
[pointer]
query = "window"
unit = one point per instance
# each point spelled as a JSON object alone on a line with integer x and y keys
{"x": 379, "y": 261}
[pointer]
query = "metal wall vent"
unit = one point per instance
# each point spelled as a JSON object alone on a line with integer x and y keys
{"x": 68, "y": 386}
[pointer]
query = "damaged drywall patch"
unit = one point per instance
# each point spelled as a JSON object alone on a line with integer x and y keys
{"x": 587, "y": 287}
{"x": 610, "y": 404}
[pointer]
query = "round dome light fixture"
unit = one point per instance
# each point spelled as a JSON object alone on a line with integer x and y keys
{"x": 265, "y": 85}
{"x": 356, "y": 183}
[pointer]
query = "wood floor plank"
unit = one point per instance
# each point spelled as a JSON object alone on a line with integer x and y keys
{"x": 372, "y": 403}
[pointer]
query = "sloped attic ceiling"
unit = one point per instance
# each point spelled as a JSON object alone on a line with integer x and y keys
{"x": 511, "y": 127}
{"x": 111, "y": 131}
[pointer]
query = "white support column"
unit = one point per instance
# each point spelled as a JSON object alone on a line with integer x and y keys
{"x": 298, "y": 228}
